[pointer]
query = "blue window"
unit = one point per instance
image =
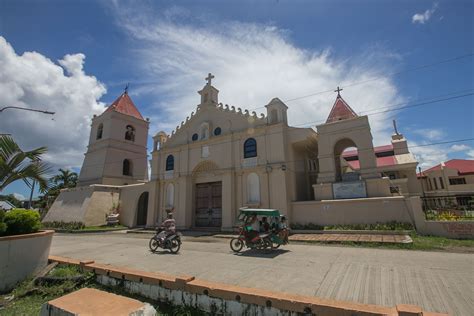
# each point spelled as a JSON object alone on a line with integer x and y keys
{"x": 195, "y": 137}
{"x": 170, "y": 163}
{"x": 250, "y": 148}
{"x": 217, "y": 131}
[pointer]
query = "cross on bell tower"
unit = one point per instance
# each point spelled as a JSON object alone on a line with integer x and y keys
{"x": 338, "y": 90}
{"x": 209, "y": 78}
{"x": 209, "y": 94}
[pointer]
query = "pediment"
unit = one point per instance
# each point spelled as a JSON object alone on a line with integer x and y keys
{"x": 228, "y": 118}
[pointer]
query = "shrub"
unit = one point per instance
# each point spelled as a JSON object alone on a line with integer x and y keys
{"x": 64, "y": 225}
{"x": 19, "y": 221}
{"x": 3, "y": 226}
{"x": 377, "y": 226}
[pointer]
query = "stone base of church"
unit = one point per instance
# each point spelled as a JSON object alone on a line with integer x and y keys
{"x": 356, "y": 211}
{"x": 88, "y": 205}
{"x": 368, "y": 188}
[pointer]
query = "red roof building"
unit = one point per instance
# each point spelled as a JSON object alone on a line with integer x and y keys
{"x": 124, "y": 104}
{"x": 385, "y": 156}
{"x": 463, "y": 166}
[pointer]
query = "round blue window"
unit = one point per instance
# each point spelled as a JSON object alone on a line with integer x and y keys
{"x": 217, "y": 131}
{"x": 195, "y": 137}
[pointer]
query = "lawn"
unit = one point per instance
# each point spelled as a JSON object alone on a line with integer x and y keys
{"x": 28, "y": 297}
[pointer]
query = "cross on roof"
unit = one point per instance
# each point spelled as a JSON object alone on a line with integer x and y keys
{"x": 338, "y": 90}
{"x": 209, "y": 78}
{"x": 126, "y": 89}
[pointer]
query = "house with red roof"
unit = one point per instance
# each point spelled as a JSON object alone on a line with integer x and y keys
{"x": 449, "y": 183}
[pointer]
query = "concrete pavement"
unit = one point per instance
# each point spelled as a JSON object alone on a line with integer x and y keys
{"x": 437, "y": 281}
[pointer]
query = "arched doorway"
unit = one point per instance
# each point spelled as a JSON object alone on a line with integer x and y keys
{"x": 142, "y": 209}
{"x": 341, "y": 165}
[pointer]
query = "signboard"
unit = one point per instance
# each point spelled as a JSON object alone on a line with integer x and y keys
{"x": 349, "y": 190}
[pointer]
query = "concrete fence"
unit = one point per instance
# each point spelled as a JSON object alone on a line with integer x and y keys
{"x": 224, "y": 299}
{"x": 353, "y": 211}
{"x": 378, "y": 210}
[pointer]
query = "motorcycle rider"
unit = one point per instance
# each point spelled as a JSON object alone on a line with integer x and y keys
{"x": 168, "y": 226}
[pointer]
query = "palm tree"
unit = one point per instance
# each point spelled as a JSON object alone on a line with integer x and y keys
{"x": 65, "y": 179}
{"x": 16, "y": 164}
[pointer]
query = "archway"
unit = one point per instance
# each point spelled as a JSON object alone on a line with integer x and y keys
{"x": 341, "y": 165}
{"x": 142, "y": 209}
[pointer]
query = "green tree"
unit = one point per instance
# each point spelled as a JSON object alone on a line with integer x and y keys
{"x": 65, "y": 179}
{"x": 12, "y": 199}
{"x": 16, "y": 164}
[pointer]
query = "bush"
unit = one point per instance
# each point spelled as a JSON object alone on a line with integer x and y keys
{"x": 378, "y": 226}
{"x": 64, "y": 225}
{"x": 19, "y": 221}
{"x": 3, "y": 226}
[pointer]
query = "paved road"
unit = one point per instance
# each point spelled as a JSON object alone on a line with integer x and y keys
{"x": 437, "y": 281}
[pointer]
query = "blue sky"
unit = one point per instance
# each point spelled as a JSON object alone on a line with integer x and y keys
{"x": 257, "y": 50}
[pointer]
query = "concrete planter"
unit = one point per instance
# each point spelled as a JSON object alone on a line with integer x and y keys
{"x": 21, "y": 256}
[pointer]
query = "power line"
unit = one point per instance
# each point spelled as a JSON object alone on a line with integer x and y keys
{"x": 352, "y": 84}
{"x": 401, "y": 108}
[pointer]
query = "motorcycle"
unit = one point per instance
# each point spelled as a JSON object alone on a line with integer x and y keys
{"x": 172, "y": 242}
{"x": 261, "y": 241}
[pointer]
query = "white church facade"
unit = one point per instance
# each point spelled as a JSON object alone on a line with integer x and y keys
{"x": 221, "y": 158}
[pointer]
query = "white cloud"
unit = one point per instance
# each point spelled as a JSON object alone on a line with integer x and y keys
{"x": 19, "y": 196}
{"x": 422, "y": 18}
{"x": 32, "y": 80}
{"x": 470, "y": 153}
{"x": 252, "y": 63}
{"x": 459, "y": 147}
{"x": 428, "y": 156}
{"x": 430, "y": 133}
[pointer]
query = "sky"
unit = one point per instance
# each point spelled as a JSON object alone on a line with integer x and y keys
{"x": 412, "y": 58}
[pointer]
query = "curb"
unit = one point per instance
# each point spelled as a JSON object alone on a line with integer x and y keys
{"x": 208, "y": 292}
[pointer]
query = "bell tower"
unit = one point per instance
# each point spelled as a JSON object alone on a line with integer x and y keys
{"x": 209, "y": 94}
{"x": 117, "y": 150}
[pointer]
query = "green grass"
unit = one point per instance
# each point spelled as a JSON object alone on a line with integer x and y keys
{"x": 64, "y": 271}
{"x": 28, "y": 298}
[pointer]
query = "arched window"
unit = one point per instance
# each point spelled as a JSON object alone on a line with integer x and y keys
{"x": 170, "y": 195}
{"x": 99, "y": 131}
{"x": 250, "y": 148}
{"x": 130, "y": 133}
{"x": 170, "y": 163}
{"x": 253, "y": 188}
{"x": 127, "y": 168}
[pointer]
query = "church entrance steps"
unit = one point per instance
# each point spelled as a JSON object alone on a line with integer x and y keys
{"x": 345, "y": 237}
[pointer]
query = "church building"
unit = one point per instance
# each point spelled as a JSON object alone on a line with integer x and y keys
{"x": 221, "y": 158}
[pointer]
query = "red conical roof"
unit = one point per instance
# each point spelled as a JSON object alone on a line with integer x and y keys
{"x": 124, "y": 105}
{"x": 340, "y": 111}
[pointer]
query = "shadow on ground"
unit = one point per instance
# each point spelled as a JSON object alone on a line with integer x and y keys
{"x": 266, "y": 254}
